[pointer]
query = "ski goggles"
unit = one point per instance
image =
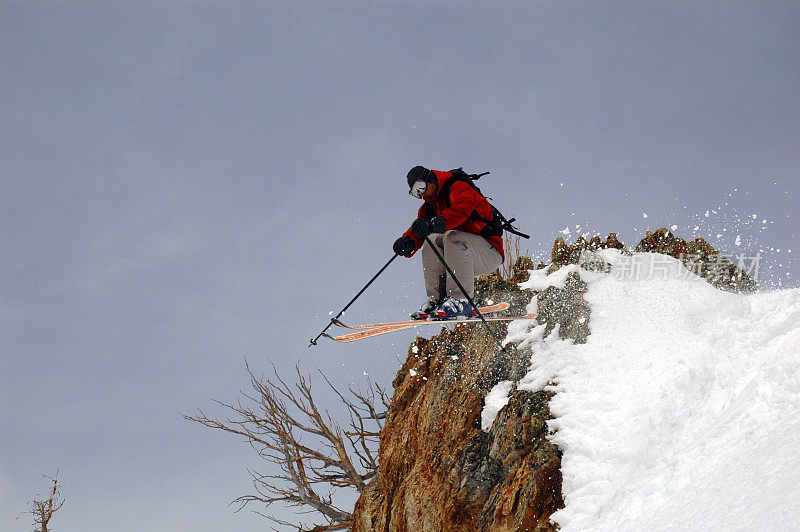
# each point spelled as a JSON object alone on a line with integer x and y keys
{"x": 418, "y": 189}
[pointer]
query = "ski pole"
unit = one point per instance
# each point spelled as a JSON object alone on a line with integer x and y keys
{"x": 469, "y": 299}
{"x": 333, "y": 320}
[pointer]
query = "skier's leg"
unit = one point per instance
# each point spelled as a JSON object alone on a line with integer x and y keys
{"x": 468, "y": 256}
{"x": 432, "y": 267}
{"x": 485, "y": 257}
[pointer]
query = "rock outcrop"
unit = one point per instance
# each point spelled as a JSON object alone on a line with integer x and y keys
{"x": 564, "y": 254}
{"x": 697, "y": 255}
{"x": 701, "y": 258}
{"x": 438, "y": 470}
{"x": 566, "y": 308}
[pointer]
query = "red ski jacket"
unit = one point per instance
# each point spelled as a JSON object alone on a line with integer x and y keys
{"x": 456, "y": 210}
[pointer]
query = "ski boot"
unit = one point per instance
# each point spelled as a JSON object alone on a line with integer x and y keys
{"x": 429, "y": 306}
{"x": 454, "y": 309}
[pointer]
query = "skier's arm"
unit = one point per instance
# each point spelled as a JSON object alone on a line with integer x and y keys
{"x": 463, "y": 200}
{"x": 422, "y": 213}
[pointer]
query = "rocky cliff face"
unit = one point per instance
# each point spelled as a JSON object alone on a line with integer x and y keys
{"x": 438, "y": 470}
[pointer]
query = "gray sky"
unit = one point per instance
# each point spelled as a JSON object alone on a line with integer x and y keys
{"x": 186, "y": 185}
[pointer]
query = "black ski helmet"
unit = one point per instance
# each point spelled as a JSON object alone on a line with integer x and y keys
{"x": 419, "y": 173}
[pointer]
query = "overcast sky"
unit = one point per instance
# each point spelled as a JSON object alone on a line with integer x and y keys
{"x": 186, "y": 185}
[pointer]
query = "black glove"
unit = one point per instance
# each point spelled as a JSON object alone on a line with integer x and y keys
{"x": 437, "y": 225}
{"x": 403, "y": 246}
{"x": 421, "y": 227}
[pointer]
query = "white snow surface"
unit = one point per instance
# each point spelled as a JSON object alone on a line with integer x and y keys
{"x": 682, "y": 410}
{"x": 497, "y": 398}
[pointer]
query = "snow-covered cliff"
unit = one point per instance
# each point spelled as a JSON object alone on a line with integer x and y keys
{"x": 643, "y": 397}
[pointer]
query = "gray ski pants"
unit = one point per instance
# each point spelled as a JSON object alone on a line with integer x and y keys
{"x": 468, "y": 255}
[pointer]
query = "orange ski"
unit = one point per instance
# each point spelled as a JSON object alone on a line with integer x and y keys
{"x": 384, "y": 329}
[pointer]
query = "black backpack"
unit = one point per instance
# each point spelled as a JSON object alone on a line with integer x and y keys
{"x": 498, "y": 223}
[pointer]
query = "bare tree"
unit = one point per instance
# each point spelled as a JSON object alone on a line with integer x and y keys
{"x": 313, "y": 455}
{"x": 43, "y": 510}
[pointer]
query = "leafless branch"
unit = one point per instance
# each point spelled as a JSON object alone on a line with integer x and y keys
{"x": 42, "y": 510}
{"x": 314, "y": 456}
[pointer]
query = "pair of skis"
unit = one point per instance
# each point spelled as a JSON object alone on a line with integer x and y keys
{"x": 376, "y": 329}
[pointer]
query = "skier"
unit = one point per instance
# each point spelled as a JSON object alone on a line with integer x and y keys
{"x": 459, "y": 221}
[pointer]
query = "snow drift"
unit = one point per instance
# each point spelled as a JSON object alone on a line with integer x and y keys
{"x": 681, "y": 409}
